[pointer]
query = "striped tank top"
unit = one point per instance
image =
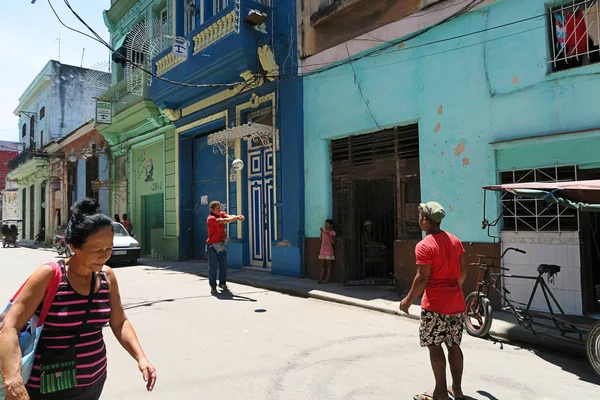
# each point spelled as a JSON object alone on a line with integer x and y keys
{"x": 64, "y": 318}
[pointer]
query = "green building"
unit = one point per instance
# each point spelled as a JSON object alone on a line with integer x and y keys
{"x": 143, "y": 176}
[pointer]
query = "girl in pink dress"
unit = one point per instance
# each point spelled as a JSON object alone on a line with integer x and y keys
{"x": 327, "y": 255}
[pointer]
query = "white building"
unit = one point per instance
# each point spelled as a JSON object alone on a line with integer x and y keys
{"x": 57, "y": 101}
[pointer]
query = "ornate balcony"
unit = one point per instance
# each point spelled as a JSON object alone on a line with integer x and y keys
{"x": 24, "y": 156}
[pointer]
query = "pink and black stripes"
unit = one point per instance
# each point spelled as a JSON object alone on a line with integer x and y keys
{"x": 62, "y": 323}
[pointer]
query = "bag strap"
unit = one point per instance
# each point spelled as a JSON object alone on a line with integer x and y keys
{"x": 51, "y": 290}
{"x": 88, "y": 307}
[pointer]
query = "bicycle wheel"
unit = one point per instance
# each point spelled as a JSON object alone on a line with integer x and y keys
{"x": 592, "y": 347}
{"x": 478, "y": 318}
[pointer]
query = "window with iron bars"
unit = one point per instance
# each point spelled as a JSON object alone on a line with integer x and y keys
{"x": 537, "y": 215}
{"x": 575, "y": 34}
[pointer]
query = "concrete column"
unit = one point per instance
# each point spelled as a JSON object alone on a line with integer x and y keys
{"x": 38, "y": 208}
{"x": 81, "y": 182}
{"x": 21, "y": 212}
{"x": 27, "y": 213}
{"x": 317, "y": 175}
{"x": 103, "y": 195}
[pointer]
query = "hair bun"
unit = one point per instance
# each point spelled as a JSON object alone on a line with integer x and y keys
{"x": 85, "y": 207}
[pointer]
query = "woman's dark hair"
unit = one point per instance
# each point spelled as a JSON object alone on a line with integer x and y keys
{"x": 86, "y": 219}
{"x": 117, "y": 218}
{"x": 330, "y": 221}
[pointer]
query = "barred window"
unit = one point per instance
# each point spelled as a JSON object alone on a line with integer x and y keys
{"x": 520, "y": 214}
{"x": 575, "y": 34}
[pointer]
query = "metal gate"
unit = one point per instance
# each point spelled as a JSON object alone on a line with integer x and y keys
{"x": 376, "y": 192}
{"x": 261, "y": 205}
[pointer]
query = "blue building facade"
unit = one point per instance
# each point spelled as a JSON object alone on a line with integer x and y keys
{"x": 498, "y": 94}
{"x": 241, "y": 100}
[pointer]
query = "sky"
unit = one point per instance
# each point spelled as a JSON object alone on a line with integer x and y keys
{"x": 29, "y": 39}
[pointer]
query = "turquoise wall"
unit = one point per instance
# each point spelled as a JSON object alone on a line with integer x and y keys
{"x": 464, "y": 93}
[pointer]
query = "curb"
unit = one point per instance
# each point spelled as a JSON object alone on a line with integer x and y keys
{"x": 517, "y": 337}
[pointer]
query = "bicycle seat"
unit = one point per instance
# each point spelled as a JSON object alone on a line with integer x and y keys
{"x": 549, "y": 269}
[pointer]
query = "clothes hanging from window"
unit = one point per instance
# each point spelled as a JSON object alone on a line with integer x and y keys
{"x": 571, "y": 33}
{"x": 577, "y": 39}
{"x": 592, "y": 19}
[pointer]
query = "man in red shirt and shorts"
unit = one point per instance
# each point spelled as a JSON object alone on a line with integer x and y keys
{"x": 215, "y": 245}
{"x": 441, "y": 272}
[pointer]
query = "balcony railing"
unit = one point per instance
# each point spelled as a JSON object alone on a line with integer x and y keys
{"x": 24, "y": 156}
{"x": 116, "y": 92}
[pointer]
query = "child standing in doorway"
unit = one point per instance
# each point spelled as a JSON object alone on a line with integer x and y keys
{"x": 327, "y": 255}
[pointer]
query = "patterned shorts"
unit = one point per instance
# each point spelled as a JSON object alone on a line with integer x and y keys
{"x": 438, "y": 328}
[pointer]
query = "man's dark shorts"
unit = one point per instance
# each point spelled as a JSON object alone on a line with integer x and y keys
{"x": 438, "y": 328}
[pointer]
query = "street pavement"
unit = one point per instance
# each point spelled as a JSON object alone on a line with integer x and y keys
{"x": 260, "y": 344}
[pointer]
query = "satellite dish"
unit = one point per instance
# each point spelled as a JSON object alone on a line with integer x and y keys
{"x": 147, "y": 40}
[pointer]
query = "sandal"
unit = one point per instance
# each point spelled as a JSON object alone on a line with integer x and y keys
{"x": 451, "y": 393}
{"x": 423, "y": 396}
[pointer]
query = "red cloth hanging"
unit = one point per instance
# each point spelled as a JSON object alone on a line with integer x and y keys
{"x": 577, "y": 38}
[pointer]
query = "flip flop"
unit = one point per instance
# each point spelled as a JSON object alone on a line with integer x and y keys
{"x": 451, "y": 393}
{"x": 423, "y": 396}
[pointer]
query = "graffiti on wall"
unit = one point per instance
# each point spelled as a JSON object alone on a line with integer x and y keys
{"x": 145, "y": 170}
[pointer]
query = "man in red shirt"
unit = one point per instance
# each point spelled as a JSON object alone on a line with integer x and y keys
{"x": 441, "y": 272}
{"x": 215, "y": 245}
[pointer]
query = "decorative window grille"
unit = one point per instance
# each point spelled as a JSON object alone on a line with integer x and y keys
{"x": 537, "y": 215}
{"x": 220, "y": 5}
{"x": 190, "y": 16}
{"x": 575, "y": 34}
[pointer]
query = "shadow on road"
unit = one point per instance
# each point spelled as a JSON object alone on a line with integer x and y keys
{"x": 484, "y": 394}
{"x": 233, "y": 297}
{"x": 570, "y": 359}
{"x": 220, "y": 296}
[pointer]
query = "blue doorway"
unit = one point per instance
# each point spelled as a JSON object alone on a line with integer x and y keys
{"x": 208, "y": 184}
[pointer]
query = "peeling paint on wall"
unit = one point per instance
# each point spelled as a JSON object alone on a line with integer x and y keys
{"x": 450, "y": 208}
{"x": 460, "y": 149}
{"x": 516, "y": 79}
{"x": 466, "y": 161}
{"x": 443, "y": 152}
{"x": 441, "y": 110}
{"x": 438, "y": 127}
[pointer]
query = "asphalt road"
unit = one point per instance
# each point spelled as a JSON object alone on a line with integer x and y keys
{"x": 263, "y": 345}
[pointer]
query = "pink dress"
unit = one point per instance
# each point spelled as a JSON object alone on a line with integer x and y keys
{"x": 326, "y": 246}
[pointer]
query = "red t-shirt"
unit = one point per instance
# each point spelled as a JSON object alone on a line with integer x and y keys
{"x": 216, "y": 231}
{"x": 442, "y": 293}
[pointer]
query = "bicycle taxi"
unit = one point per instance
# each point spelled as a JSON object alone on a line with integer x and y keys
{"x": 583, "y": 196}
{"x": 10, "y": 232}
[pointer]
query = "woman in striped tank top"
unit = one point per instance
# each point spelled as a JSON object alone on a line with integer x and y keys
{"x": 76, "y": 317}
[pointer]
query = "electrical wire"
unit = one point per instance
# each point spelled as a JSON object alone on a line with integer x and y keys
{"x": 141, "y": 68}
{"x": 397, "y": 42}
{"x": 362, "y": 95}
{"x": 67, "y": 26}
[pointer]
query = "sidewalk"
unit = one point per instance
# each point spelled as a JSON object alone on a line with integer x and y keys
{"x": 381, "y": 299}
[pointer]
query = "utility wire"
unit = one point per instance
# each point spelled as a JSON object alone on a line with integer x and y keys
{"x": 67, "y": 26}
{"x": 361, "y": 92}
{"x": 140, "y": 67}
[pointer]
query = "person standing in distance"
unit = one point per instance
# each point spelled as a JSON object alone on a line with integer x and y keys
{"x": 441, "y": 272}
{"x": 215, "y": 245}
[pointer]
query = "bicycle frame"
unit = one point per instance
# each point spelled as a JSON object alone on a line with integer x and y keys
{"x": 524, "y": 315}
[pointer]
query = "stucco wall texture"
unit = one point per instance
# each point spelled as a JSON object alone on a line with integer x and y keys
{"x": 464, "y": 90}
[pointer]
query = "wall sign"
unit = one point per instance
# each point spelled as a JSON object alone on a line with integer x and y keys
{"x": 204, "y": 200}
{"x": 103, "y": 112}
{"x": 180, "y": 50}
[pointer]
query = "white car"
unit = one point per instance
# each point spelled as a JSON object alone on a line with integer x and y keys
{"x": 125, "y": 247}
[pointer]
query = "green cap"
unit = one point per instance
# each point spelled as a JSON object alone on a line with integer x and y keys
{"x": 433, "y": 211}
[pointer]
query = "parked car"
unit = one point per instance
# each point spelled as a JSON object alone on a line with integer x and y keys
{"x": 125, "y": 247}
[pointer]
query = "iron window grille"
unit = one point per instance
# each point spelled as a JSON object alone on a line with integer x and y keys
{"x": 575, "y": 34}
{"x": 190, "y": 16}
{"x": 537, "y": 215}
